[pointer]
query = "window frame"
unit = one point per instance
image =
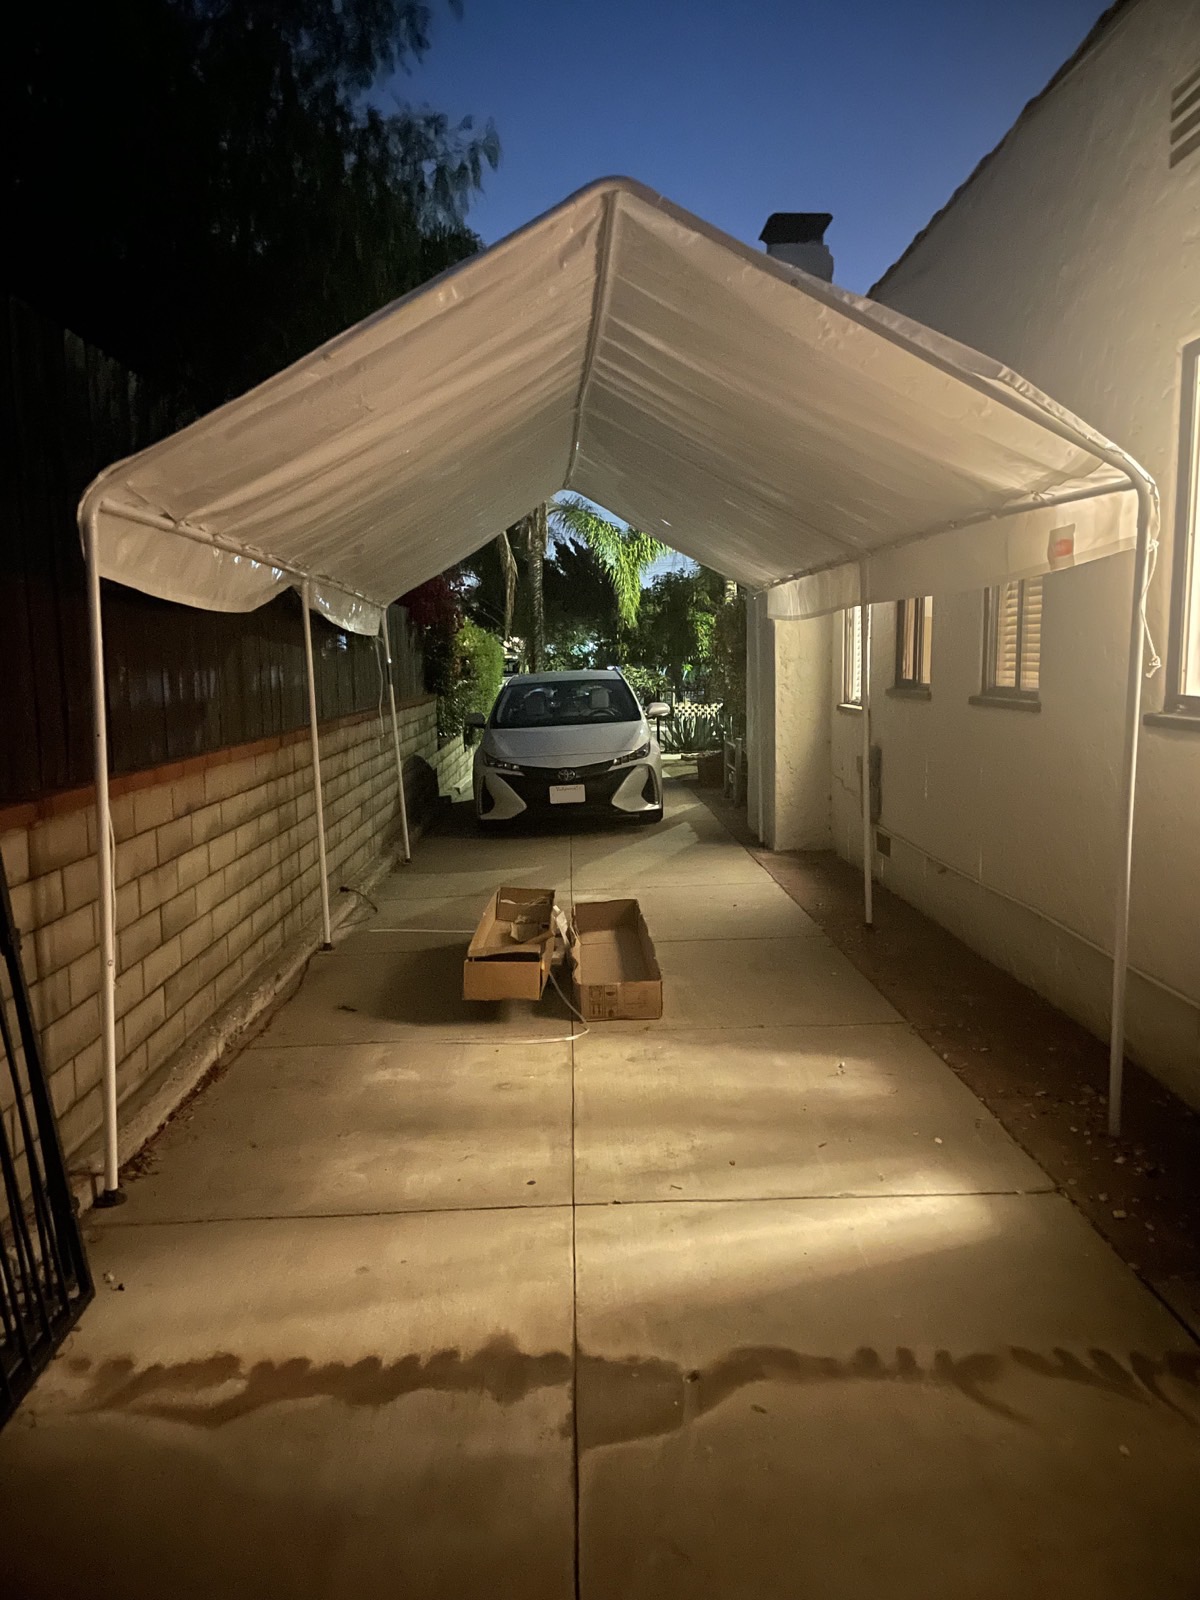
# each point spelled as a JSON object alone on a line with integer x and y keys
{"x": 1185, "y": 550}
{"x": 918, "y": 687}
{"x": 852, "y": 641}
{"x": 999, "y": 694}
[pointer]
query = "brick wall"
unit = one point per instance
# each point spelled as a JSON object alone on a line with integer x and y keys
{"x": 216, "y": 875}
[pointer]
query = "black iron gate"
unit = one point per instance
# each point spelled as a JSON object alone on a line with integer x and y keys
{"x": 44, "y": 1278}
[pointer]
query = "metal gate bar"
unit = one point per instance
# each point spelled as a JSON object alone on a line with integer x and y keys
{"x": 45, "y": 1282}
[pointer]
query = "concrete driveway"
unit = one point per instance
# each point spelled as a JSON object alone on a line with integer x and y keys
{"x": 425, "y": 1299}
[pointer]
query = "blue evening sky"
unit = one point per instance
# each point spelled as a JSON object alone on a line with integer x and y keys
{"x": 874, "y": 110}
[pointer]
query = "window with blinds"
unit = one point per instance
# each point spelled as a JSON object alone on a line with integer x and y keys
{"x": 914, "y": 643}
{"x": 852, "y": 657}
{"x": 1013, "y": 639}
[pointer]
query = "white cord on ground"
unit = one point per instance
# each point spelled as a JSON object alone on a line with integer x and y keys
{"x": 570, "y": 1007}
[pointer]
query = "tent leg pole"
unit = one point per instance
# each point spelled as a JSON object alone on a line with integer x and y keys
{"x": 752, "y": 719}
{"x": 323, "y": 865}
{"x": 110, "y": 1194}
{"x": 387, "y": 655}
{"x": 1133, "y": 719}
{"x": 761, "y": 641}
{"x": 867, "y": 842}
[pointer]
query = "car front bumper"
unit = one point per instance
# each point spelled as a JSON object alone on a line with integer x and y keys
{"x": 500, "y": 796}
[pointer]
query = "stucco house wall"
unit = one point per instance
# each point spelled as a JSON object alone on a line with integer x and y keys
{"x": 1073, "y": 255}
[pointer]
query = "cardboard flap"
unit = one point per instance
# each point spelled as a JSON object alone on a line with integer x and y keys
{"x": 493, "y": 938}
{"x": 500, "y": 967}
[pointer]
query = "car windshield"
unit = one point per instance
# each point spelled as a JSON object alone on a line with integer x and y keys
{"x": 565, "y": 703}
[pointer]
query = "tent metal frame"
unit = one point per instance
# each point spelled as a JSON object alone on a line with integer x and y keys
{"x": 1147, "y": 520}
{"x": 1146, "y": 491}
{"x": 995, "y": 388}
{"x": 1147, "y": 533}
{"x": 110, "y": 1193}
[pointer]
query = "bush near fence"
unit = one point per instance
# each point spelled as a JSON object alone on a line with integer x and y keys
{"x": 479, "y": 672}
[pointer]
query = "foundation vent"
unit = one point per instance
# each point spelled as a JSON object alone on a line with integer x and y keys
{"x": 1185, "y": 119}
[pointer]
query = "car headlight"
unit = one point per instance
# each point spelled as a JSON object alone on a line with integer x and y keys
{"x": 640, "y": 754}
{"x": 496, "y": 764}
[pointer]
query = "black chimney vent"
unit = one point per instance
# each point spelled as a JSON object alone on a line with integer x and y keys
{"x": 796, "y": 227}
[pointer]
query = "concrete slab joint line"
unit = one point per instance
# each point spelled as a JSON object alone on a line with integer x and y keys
{"x": 652, "y": 1310}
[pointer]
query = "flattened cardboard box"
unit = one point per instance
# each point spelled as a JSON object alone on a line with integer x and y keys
{"x": 497, "y": 966}
{"x": 616, "y": 972}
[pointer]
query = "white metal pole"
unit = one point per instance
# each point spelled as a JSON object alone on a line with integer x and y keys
{"x": 762, "y": 640}
{"x": 754, "y": 708}
{"x": 111, "y": 1194}
{"x": 868, "y": 851}
{"x": 305, "y": 597}
{"x": 387, "y": 654}
{"x": 1133, "y": 719}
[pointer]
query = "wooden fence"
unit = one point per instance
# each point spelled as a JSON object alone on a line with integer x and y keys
{"x": 181, "y": 682}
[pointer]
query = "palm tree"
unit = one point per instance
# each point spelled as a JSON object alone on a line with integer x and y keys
{"x": 537, "y": 537}
{"x": 622, "y": 553}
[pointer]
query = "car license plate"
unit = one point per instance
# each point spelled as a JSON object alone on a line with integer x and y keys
{"x": 567, "y": 794}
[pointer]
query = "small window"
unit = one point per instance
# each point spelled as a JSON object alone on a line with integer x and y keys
{"x": 852, "y": 657}
{"x": 1185, "y": 634}
{"x": 1013, "y": 640}
{"x": 914, "y": 643}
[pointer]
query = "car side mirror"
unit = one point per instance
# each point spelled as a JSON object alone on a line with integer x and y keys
{"x": 475, "y": 719}
{"x": 658, "y": 708}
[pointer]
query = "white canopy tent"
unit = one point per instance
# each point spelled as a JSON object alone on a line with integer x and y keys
{"x": 792, "y": 435}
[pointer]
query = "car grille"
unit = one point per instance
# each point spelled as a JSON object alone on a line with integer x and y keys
{"x": 566, "y": 773}
{"x": 600, "y": 779}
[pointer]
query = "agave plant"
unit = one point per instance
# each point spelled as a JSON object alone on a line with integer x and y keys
{"x": 693, "y": 728}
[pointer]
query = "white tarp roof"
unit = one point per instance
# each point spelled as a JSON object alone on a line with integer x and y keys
{"x": 768, "y": 424}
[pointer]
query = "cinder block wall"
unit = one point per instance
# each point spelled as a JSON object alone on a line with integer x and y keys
{"x": 216, "y": 874}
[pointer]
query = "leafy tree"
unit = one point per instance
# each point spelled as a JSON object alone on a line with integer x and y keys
{"x": 587, "y": 544}
{"x": 435, "y": 611}
{"x": 479, "y": 671}
{"x": 727, "y": 673}
{"x": 206, "y": 188}
{"x": 582, "y": 626}
{"x": 676, "y": 626}
{"x": 582, "y": 583}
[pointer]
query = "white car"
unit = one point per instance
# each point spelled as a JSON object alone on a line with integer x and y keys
{"x": 568, "y": 742}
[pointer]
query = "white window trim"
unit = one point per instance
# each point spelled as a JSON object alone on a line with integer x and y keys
{"x": 993, "y": 693}
{"x": 852, "y": 637}
{"x": 917, "y": 687}
{"x": 1184, "y": 673}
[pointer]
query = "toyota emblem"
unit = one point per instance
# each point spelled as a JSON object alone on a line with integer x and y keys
{"x": 567, "y": 775}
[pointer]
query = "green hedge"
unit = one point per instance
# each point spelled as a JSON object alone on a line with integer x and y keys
{"x": 479, "y": 664}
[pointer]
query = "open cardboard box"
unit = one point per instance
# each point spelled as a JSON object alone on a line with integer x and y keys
{"x": 497, "y": 966}
{"x": 615, "y": 969}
